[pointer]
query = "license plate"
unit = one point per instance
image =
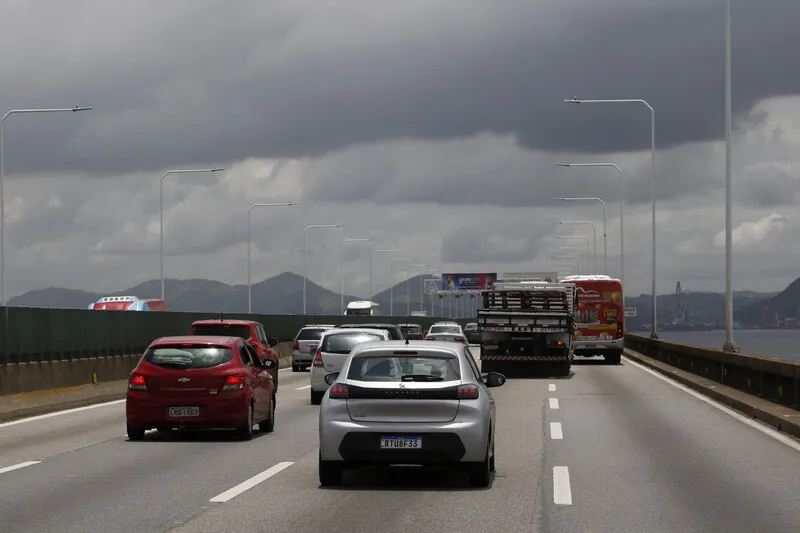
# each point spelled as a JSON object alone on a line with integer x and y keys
{"x": 401, "y": 443}
{"x": 183, "y": 412}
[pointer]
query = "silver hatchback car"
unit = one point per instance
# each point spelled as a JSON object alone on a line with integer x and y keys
{"x": 393, "y": 403}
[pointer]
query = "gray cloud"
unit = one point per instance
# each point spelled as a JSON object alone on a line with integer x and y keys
{"x": 203, "y": 82}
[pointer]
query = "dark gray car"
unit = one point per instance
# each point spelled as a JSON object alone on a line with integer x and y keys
{"x": 305, "y": 344}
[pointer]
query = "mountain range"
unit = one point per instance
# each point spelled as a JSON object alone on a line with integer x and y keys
{"x": 283, "y": 294}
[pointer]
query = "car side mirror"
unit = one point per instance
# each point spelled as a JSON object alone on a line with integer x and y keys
{"x": 495, "y": 379}
{"x": 331, "y": 378}
{"x": 273, "y": 341}
{"x": 268, "y": 363}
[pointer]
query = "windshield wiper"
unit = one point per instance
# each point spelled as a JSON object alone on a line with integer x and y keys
{"x": 420, "y": 377}
{"x": 179, "y": 364}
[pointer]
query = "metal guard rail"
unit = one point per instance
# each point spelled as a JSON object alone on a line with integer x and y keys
{"x": 775, "y": 380}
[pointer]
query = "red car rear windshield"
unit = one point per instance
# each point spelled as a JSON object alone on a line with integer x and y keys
{"x": 188, "y": 356}
{"x": 222, "y": 330}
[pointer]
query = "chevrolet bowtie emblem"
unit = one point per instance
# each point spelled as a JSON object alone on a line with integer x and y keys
{"x": 184, "y": 380}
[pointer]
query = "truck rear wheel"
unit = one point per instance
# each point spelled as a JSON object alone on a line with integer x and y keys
{"x": 613, "y": 358}
{"x": 564, "y": 368}
{"x": 488, "y": 366}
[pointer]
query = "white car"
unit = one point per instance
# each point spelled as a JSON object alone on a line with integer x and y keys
{"x": 446, "y": 331}
{"x": 333, "y": 350}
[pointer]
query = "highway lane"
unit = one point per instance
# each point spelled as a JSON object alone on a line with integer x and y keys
{"x": 608, "y": 449}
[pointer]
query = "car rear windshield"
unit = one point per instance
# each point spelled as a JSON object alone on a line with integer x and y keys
{"x": 359, "y": 312}
{"x": 445, "y": 329}
{"x": 222, "y": 330}
{"x": 396, "y": 368}
{"x": 343, "y": 343}
{"x": 310, "y": 334}
{"x": 188, "y": 356}
{"x": 411, "y": 329}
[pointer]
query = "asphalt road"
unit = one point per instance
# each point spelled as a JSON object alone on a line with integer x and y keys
{"x": 607, "y": 449}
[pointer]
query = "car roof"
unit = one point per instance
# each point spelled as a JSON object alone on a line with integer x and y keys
{"x": 446, "y": 323}
{"x": 331, "y": 331}
{"x": 401, "y": 346}
{"x": 227, "y": 322}
{"x": 197, "y": 339}
{"x": 410, "y": 325}
{"x": 317, "y": 326}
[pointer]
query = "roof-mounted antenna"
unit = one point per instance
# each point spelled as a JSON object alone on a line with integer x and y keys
{"x": 221, "y": 318}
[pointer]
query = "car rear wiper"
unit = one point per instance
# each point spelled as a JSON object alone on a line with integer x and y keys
{"x": 420, "y": 377}
{"x": 179, "y": 364}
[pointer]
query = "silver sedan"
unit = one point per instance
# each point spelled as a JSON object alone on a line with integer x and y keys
{"x": 424, "y": 403}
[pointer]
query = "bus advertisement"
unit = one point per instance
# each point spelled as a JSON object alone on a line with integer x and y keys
{"x": 600, "y": 317}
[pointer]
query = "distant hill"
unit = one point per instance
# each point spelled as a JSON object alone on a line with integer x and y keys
{"x": 767, "y": 312}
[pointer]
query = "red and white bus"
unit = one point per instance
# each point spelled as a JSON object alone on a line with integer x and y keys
{"x": 600, "y": 318}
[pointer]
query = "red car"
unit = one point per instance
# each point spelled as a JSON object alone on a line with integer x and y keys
{"x": 249, "y": 330}
{"x": 200, "y": 382}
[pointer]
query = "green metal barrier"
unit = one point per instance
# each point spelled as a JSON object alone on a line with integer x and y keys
{"x": 37, "y": 334}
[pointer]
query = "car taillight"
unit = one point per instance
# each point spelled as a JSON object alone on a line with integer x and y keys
{"x": 460, "y": 339}
{"x": 318, "y": 359}
{"x": 295, "y": 345}
{"x": 234, "y": 382}
{"x": 429, "y": 338}
{"x": 339, "y": 391}
{"x": 137, "y": 382}
{"x": 419, "y": 337}
{"x": 555, "y": 343}
{"x": 467, "y": 392}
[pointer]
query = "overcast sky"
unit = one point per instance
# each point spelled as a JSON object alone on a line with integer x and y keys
{"x": 432, "y": 126}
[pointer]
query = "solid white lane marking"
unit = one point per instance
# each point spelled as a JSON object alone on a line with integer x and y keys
{"x": 562, "y": 493}
{"x": 766, "y": 430}
{"x": 59, "y": 413}
{"x": 304, "y": 387}
{"x": 555, "y": 431}
{"x": 551, "y": 387}
{"x": 18, "y": 466}
{"x": 250, "y": 483}
{"x": 553, "y": 403}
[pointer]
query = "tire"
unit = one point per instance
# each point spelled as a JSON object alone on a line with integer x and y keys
{"x": 316, "y": 397}
{"x": 491, "y": 459}
{"x": 613, "y": 359}
{"x": 488, "y": 366}
{"x": 330, "y": 473}
{"x": 480, "y": 474}
{"x": 135, "y": 433}
{"x": 245, "y": 432}
{"x": 275, "y": 382}
{"x": 268, "y": 425}
{"x": 296, "y": 367}
{"x": 564, "y": 368}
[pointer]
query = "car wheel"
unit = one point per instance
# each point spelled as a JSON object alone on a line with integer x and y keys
{"x": 564, "y": 369}
{"x": 268, "y": 425}
{"x": 491, "y": 459}
{"x": 246, "y": 431}
{"x": 296, "y": 367}
{"x": 330, "y": 473}
{"x": 480, "y": 473}
{"x": 316, "y": 397}
{"x": 135, "y": 433}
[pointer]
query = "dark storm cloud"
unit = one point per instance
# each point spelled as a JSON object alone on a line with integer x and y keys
{"x": 199, "y": 81}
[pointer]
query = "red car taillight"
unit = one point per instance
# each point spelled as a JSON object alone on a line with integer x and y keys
{"x": 467, "y": 392}
{"x": 235, "y": 382}
{"x": 429, "y": 338}
{"x": 339, "y": 391}
{"x": 137, "y": 382}
{"x": 419, "y": 337}
{"x": 461, "y": 339}
{"x": 295, "y": 345}
{"x": 318, "y": 359}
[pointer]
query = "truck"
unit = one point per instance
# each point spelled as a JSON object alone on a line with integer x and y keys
{"x": 599, "y": 318}
{"x": 128, "y": 303}
{"x": 526, "y": 322}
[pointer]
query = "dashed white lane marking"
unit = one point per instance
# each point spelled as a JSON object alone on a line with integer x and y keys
{"x": 250, "y": 483}
{"x": 304, "y": 387}
{"x": 553, "y": 403}
{"x": 18, "y": 466}
{"x": 741, "y": 418}
{"x": 551, "y": 387}
{"x": 555, "y": 431}
{"x": 59, "y": 413}
{"x": 562, "y": 493}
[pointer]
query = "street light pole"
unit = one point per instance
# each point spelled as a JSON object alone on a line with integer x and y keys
{"x": 621, "y": 215}
{"x": 2, "y": 185}
{"x": 654, "y": 332}
{"x": 161, "y": 211}
{"x": 422, "y": 288}
{"x": 730, "y": 345}
{"x": 594, "y": 232}
{"x": 575, "y": 261}
{"x": 249, "y": 276}
{"x": 605, "y": 228}
{"x": 575, "y": 248}
{"x": 408, "y": 285}
{"x": 391, "y": 281}
{"x": 574, "y": 238}
{"x": 370, "y": 267}
{"x": 342, "y": 268}
{"x": 305, "y": 250}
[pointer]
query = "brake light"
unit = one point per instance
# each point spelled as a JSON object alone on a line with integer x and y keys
{"x": 339, "y": 391}
{"x": 460, "y": 339}
{"x": 555, "y": 343}
{"x": 295, "y": 345}
{"x": 137, "y": 382}
{"x": 429, "y": 338}
{"x": 404, "y": 352}
{"x": 467, "y": 392}
{"x": 234, "y": 382}
{"x": 318, "y": 359}
{"x": 419, "y": 337}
